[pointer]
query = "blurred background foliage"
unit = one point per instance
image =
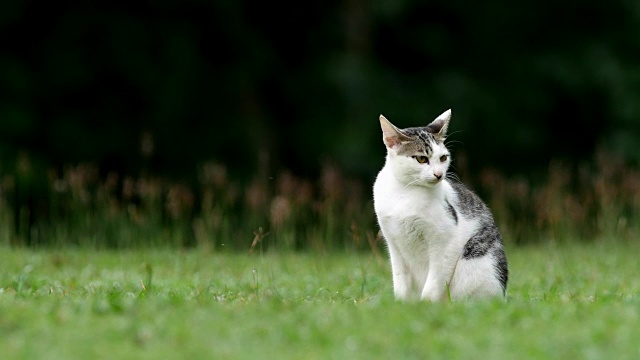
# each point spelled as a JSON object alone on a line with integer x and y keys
{"x": 165, "y": 89}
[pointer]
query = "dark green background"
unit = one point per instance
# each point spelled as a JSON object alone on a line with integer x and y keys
{"x": 297, "y": 84}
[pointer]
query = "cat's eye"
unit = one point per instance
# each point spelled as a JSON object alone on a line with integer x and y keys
{"x": 421, "y": 159}
{"x": 443, "y": 158}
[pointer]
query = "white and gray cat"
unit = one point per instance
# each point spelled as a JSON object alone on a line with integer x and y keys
{"x": 442, "y": 239}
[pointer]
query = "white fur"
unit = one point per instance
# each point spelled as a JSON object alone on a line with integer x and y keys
{"x": 425, "y": 243}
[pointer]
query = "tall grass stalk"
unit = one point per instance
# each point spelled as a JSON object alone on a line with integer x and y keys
{"x": 82, "y": 208}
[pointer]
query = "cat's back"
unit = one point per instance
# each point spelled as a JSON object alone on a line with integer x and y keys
{"x": 486, "y": 238}
{"x": 469, "y": 203}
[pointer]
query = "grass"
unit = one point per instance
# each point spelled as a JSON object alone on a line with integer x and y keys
{"x": 105, "y": 265}
{"x": 565, "y": 301}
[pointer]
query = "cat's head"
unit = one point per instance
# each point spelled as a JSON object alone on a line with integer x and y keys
{"x": 417, "y": 155}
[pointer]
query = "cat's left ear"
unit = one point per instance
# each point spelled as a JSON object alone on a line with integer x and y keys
{"x": 438, "y": 127}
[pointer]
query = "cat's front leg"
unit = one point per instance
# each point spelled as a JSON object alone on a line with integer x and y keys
{"x": 435, "y": 288}
{"x": 441, "y": 269}
{"x": 403, "y": 283}
{"x": 442, "y": 265}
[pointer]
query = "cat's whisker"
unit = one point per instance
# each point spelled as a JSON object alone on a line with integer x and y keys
{"x": 451, "y": 144}
{"x": 453, "y": 176}
{"x": 453, "y": 132}
{"x": 412, "y": 183}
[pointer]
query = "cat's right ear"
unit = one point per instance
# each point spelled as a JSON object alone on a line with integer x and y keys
{"x": 391, "y": 136}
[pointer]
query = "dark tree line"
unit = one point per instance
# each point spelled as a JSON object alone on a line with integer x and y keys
{"x": 164, "y": 85}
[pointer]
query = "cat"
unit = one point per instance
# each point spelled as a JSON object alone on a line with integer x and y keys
{"x": 442, "y": 239}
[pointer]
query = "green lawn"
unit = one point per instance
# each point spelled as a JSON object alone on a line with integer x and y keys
{"x": 566, "y": 302}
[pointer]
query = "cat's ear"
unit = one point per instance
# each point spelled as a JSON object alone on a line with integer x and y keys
{"x": 438, "y": 127}
{"x": 391, "y": 136}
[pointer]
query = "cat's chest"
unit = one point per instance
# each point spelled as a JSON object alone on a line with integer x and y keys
{"x": 416, "y": 211}
{"x": 411, "y": 215}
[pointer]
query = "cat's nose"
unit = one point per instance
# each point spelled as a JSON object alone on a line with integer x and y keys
{"x": 438, "y": 175}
